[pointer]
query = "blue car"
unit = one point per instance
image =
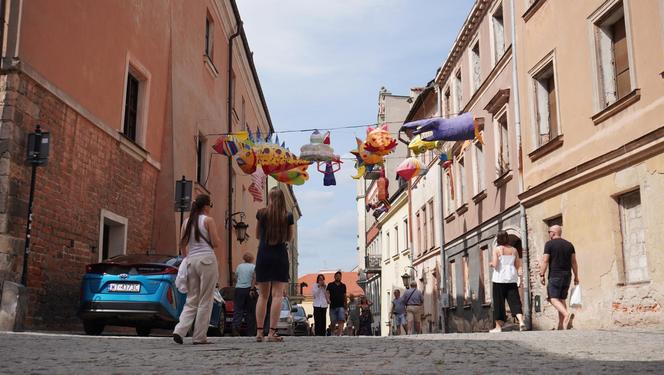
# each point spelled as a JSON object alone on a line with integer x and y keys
{"x": 137, "y": 291}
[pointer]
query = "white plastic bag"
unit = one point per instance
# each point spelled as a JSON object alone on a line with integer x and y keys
{"x": 181, "y": 278}
{"x": 575, "y": 299}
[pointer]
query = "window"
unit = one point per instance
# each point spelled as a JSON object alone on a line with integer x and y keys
{"x": 387, "y": 243}
{"x": 419, "y": 232}
{"x": 405, "y": 234}
{"x": 131, "y": 107}
{"x": 432, "y": 230}
{"x": 112, "y": 235}
{"x": 452, "y": 280}
{"x": 503, "y": 151}
{"x": 498, "y": 28}
{"x": 546, "y": 104}
{"x": 458, "y": 94}
{"x": 478, "y": 171}
{"x": 632, "y": 226}
{"x": 425, "y": 231}
{"x": 466, "y": 281}
{"x": 243, "y": 115}
{"x": 461, "y": 179}
{"x": 448, "y": 104}
{"x": 475, "y": 66}
{"x": 209, "y": 37}
{"x": 613, "y": 54}
{"x": 485, "y": 274}
{"x": 449, "y": 193}
{"x": 200, "y": 159}
{"x": 396, "y": 240}
{"x": 556, "y": 220}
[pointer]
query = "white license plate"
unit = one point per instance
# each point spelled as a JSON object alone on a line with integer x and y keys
{"x": 124, "y": 287}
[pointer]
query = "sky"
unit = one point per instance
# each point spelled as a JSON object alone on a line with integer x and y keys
{"x": 321, "y": 64}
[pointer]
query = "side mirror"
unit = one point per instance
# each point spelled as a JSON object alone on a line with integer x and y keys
{"x": 294, "y": 309}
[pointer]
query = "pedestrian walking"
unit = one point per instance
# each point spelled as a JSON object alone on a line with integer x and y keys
{"x": 414, "y": 300}
{"x": 198, "y": 243}
{"x": 506, "y": 272}
{"x": 366, "y": 321}
{"x": 353, "y": 315}
{"x": 321, "y": 302}
{"x": 274, "y": 231}
{"x": 336, "y": 294}
{"x": 244, "y": 300}
{"x": 399, "y": 313}
{"x": 560, "y": 259}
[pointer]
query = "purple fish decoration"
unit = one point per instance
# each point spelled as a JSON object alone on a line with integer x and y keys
{"x": 459, "y": 128}
{"x": 328, "y": 178}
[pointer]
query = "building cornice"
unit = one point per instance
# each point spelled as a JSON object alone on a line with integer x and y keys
{"x": 466, "y": 33}
{"x": 619, "y": 158}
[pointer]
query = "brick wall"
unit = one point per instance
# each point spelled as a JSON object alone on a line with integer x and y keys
{"x": 86, "y": 172}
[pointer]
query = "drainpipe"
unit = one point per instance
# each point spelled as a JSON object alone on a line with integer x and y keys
{"x": 229, "y": 235}
{"x": 443, "y": 263}
{"x": 520, "y": 184}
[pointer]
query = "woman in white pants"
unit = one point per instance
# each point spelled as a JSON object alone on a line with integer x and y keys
{"x": 199, "y": 239}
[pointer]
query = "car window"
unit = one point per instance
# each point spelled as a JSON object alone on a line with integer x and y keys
{"x": 145, "y": 258}
{"x": 300, "y": 312}
{"x": 284, "y": 304}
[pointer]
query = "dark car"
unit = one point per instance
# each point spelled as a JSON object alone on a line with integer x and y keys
{"x": 137, "y": 291}
{"x": 301, "y": 325}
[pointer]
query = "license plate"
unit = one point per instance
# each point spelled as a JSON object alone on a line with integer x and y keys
{"x": 124, "y": 287}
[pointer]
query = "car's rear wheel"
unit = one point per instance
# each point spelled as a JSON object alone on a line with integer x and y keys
{"x": 93, "y": 327}
{"x": 219, "y": 329}
{"x": 143, "y": 331}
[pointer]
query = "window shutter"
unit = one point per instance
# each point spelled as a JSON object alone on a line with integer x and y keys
{"x": 620, "y": 58}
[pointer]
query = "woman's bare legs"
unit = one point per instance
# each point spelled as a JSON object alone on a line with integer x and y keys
{"x": 261, "y": 306}
{"x": 275, "y": 309}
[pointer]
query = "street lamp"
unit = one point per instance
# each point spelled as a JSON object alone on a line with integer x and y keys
{"x": 406, "y": 277}
{"x": 362, "y": 280}
{"x": 239, "y": 226}
{"x": 38, "y": 147}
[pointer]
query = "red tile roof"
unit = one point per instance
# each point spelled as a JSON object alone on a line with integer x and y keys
{"x": 348, "y": 278}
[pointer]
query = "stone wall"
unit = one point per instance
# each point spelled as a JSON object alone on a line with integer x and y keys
{"x": 87, "y": 171}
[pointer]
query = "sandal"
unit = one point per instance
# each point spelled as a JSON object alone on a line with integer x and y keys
{"x": 275, "y": 336}
{"x": 259, "y": 338}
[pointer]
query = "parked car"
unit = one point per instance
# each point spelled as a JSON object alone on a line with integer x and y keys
{"x": 285, "y": 325}
{"x": 228, "y": 293}
{"x": 137, "y": 291}
{"x": 302, "y": 327}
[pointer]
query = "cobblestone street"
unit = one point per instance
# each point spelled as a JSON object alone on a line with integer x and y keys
{"x": 584, "y": 352}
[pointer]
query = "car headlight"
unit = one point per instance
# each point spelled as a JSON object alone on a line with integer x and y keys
{"x": 289, "y": 319}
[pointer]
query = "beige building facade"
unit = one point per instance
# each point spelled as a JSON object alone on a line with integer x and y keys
{"x": 592, "y": 99}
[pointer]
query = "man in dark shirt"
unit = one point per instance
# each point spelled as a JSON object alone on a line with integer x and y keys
{"x": 336, "y": 294}
{"x": 560, "y": 258}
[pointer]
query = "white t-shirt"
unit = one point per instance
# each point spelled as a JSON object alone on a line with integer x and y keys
{"x": 320, "y": 299}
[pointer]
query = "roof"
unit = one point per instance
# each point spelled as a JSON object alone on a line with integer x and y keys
{"x": 348, "y": 278}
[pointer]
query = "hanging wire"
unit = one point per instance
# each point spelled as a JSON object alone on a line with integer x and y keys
{"x": 320, "y": 129}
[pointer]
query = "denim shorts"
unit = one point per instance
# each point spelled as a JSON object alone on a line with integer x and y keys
{"x": 337, "y": 314}
{"x": 400, "y": 319}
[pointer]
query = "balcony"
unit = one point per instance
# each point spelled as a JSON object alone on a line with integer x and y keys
{"x": 372, "y": 263}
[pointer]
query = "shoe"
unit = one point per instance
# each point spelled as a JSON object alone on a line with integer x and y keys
{"x": 259, "y": 338}
{"x": 522, "y": 327}
{"x": 496, "y": 330}
{"x": 569, "y": 319}
{"x": 275, "y": 336}
{"x": 177, "y": 338}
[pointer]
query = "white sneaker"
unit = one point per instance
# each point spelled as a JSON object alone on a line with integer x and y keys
{"x": 496, "y": 330}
